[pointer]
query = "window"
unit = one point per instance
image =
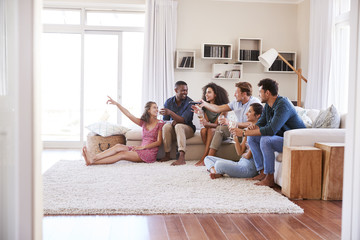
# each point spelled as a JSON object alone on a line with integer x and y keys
{"x": 339, "y": 78}
{"x": 83, "y": 63}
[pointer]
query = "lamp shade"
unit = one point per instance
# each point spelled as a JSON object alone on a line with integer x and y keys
{"x": 268, "y": 57}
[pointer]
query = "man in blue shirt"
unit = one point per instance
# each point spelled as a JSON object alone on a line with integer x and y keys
{"x": 267, "y": 136}
{"x": 177, "y": 110}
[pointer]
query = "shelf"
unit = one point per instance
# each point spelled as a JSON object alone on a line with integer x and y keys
{"x": 227, "y": 71}
{"x": 249, "y": 49}
{"x": 185, "y": 59}
{"x": 216, "y": 51}
{"x": 279, "y": 66}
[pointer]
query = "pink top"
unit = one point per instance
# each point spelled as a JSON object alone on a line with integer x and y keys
{"x": 149, "y": 155}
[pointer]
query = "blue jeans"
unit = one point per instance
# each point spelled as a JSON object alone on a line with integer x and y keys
{"x": 244, "y": 168}
{"x": 263, "y": 149}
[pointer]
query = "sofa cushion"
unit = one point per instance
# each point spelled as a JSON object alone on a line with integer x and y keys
{"x": 328, "y": 118}
{"x": 302, "y": 113}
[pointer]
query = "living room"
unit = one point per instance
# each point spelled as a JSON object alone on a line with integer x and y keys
{"x": 283, "y": 26}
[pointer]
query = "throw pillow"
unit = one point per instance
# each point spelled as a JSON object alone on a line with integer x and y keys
{"x": 106, "y": 129}
{"x": 329, "y": 118}
{"x": 302, "y": 113}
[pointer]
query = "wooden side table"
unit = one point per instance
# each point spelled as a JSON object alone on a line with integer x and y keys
{"x": 301, "y": 172}
{"x": 332, "y": 170}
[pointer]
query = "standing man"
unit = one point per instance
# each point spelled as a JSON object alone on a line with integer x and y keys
{"x": 177, "y": 109}
{"x": 240, "y": 106}
{"x": 267, "y": 136}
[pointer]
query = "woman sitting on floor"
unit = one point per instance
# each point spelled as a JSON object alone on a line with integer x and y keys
{"x": 245, "y": 167}
{"x": 213, "y": 94}
{"x": 146, "y": 152}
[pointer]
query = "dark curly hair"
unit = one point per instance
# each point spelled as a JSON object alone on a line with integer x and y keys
{"x": 146, "y": 115}
{"x": 222, "y": 96}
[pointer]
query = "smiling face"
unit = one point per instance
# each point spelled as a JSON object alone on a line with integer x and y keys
{"x": 181, "y": 92}
{"x": 251, "y": 116}
{"x": 153, "y": 111}
{"x": 210, "y": 95}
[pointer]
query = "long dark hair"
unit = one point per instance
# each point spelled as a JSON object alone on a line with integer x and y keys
{"x": 222, "y": 96}
{"x": 146, "y": 115}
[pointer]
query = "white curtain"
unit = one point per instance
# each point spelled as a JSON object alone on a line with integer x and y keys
{"x": 160, "y": 43}
{"x": 320, "y": 53}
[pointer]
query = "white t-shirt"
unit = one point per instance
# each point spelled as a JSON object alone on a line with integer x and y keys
{"x": 240, "y": 109}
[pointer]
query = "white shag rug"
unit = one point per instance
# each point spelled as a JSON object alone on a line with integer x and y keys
{"x": 70, "y": 187}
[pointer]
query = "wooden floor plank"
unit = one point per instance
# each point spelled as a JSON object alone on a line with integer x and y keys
{"x": 325, "y": 220}
{"x": 157, "y": 227}
{"x": 246, "y": 227}
{"x": 192, "y": 227}
{"x": 317, "y": 227}
{"x": 228, "y": 227}
{"x": 264, "y": 227}
{"x": 175, "y": 227}
{"x": 212, "y": 230}
{"x": 327, "y": 210}
{"x": 281, "y": 222}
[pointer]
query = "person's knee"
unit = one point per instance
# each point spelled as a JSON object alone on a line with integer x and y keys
{"x": 265, "y": 141}
{"x": 118, "y": 147}
{"x": 167, "y": 127}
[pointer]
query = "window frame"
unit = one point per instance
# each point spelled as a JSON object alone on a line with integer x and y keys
{"x": 83, "y": 29}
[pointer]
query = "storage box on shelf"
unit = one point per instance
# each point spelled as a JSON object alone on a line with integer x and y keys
{"x": 227, "y": 71}
{"x": 249, "y": 49}
{"x": 279, "y": 66}
{"x": 216, "y": 51}
{"x": 185, "y": 59}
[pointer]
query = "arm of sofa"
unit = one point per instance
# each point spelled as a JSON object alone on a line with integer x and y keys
{"x": 309, "y": 136}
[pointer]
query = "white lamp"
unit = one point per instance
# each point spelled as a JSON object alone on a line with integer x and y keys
{"x": 268, "y": 58}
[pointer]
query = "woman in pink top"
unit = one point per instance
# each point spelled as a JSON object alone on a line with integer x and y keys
{"x": 146, "y": 152}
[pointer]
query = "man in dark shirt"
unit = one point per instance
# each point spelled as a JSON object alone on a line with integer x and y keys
{"x": 177, "y": 111}
{"x": 267, "y": 136}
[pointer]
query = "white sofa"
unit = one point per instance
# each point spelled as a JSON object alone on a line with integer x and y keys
{"x": 194, "y": 146}
{"x": 308, "y": 137}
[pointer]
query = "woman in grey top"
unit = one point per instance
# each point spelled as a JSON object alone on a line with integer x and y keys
{"x": 213, "y": 94}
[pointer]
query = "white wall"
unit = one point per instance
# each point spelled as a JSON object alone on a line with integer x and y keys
{"x": 205, "y": 21}
{"x": 303, "y": 26}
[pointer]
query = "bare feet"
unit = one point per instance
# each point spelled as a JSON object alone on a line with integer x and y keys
{"x": 88, "y": 158}
{"x": 213, "y": 174}
{"x": 259, "y": 177}
{"x": 166, "y": 158}
{"x": 200, "y": 163}
{"x": 85, "y": 157}
{"x": 181, "y": 159}
{"x": 267, "y": 181}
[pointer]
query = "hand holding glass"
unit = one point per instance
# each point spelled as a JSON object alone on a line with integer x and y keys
{"x": 232, "y": 124}
{"x": 221, "y": 118}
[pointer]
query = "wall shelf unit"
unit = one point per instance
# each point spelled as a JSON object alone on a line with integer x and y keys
{"x": 216, "y": 51}
{"x": 279, "y": 66}
{"x": 185, "y": 59}
{"x": 249, "y": 49}
{"x": 227, "y": 71}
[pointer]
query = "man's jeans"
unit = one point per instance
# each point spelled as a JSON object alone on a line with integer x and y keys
{"x": 263, "y": 149}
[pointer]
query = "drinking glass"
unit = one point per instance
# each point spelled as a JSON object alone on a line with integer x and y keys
{"x": 200, "y": 115}
{"x": 232, "y": 124}
{"x": 220, "y": 118}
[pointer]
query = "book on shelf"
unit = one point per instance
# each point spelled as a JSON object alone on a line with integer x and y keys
{"x": 188, "y": 62}
{"x": 182, "y": 64}
{"x": 192, "y": 62}
{"x": 207, "y": 51}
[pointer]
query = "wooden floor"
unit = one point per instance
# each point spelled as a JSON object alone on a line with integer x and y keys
{"x": 321, "y": 220}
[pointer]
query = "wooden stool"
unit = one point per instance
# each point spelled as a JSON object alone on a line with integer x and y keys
{"x": 301, "y": 172}
{"x": 332, "y": 170}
